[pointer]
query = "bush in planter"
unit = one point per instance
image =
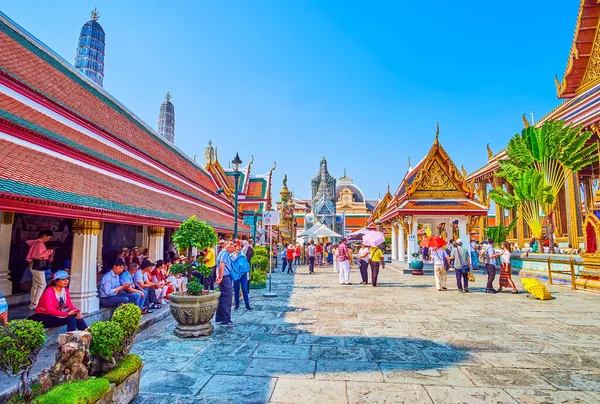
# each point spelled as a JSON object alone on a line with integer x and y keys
{"x": 81, "y": 392}
{"x": 178, "y": 269}
{"x": 128, "y": 317}
{"x": 126, "y": 367}
{"x": 261, "y": 251}
{"x": 194, "y": 287}
{"x": 20, "y": 342}
{"x": 194, "y": 233}
{"x": 107, "y": 337}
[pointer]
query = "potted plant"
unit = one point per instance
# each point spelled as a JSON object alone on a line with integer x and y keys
{"x": 194, "y": 308}
{"x": 416, "y": 264}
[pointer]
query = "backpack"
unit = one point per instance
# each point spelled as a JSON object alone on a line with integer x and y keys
{"x": 484, "y": 257}
{"x": 239, "y": 267}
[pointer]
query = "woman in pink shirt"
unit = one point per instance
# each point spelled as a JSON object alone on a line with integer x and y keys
{"x": 55, "y": 308}
{"x": 38, "y": 259}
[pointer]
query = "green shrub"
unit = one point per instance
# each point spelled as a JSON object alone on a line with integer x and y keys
{"x": 194, "y": 287}
{"x": 257, "y": 277}
{"x": 260, "y": 262}
{"x": 178, "y": 269}
{"x": 260, "y": 251}
{"x": 107, "y": 337}
{"x": 128, "y": 316}
{"x": 82, "y": 392}
{"x": 203, "y": 269}
{"x": 20, "y": 342}
{"x": 126, "y": 367}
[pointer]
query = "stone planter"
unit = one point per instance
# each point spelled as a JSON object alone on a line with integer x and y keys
{"x": 417, "y": 267}
{"x": 125, "y": 392}
{"x": 193, "y": 313}
{"x": 258, "y": 285}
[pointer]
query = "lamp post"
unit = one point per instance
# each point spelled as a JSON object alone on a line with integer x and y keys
{"x": 236, "y": 175}
{"x": 254, "y": 226}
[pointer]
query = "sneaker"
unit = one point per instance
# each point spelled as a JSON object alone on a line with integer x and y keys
{"x": 466, "y": 291}
{"x": 460, "y": 291}
{"x": 492, "y": 291}
{"x": 249, "y": 309}
{"x": 444, "y": 288}
{"x": 236, "y": 308}
{"x": 229, "y": 324}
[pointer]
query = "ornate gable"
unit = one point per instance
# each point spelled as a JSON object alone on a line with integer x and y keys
{"x": 438, "y": 177}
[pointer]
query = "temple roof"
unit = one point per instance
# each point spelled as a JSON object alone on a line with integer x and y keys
{"x": 59, "y": 133}
{"x": 582, "y": 71}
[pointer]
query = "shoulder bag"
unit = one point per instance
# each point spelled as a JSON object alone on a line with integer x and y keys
{"x": 463, "y": 268}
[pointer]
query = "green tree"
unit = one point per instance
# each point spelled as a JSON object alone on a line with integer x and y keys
{"x": 194, "y": 233}
{"x": 555, "y": 151}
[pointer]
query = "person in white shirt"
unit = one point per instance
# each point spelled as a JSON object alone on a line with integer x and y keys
{"x": 363, "y": 262}
{"x": 439, "y": 255}
{"x": 473, "y": 249}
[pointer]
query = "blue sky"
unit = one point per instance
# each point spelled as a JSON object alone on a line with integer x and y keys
{"x": 362, "y": 82}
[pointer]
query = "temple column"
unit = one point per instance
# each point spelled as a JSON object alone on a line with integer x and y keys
{"x": 156, "y": 236}
{"x": 573, "y": 199}
{"x": 462, "y": 229}
{"x": 482, "y": 193}
{"x": 394, "y": 242}
{"x": 520, "y": 230}
{"x": 83, "y": 287}
{"x": 401, "y": 246}
{"x": 99, "y": 247}
{"x": 588, "y": 191}
{"x": 5, "y": 237}
{"x": 141, "y": 237}
{"x": 412, "y": 239}
{"x": 499, "y": 209}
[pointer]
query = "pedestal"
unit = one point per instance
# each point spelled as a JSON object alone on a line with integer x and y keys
{"x": 5, "y": 237}
{"x": 156, "y": 236}
{"x": 83, "y": 287}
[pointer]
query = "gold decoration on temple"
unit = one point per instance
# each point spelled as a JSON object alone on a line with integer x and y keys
{"x": 463, "y": 171}
{"x": 156, "y": 231}
{"x": 526, "y": 123}
{"x": 436, "y": 180}
{"x": 86, "y": 227}
{"x": 489, "y": 151}
{"x": 95, "y": 15}
{"x": 442, "y": 231}
{"x": 8, "y": 218}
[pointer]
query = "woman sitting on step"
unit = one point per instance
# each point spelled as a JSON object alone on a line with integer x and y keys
{"x": 55, "y": 308}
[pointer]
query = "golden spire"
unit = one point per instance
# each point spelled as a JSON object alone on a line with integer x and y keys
{"x": 464, "y": 172}
{"x": 437, "y": 132}
{"x": 95, "y": 14}
{"x": 526, "y": 123}
{"x": 490, "y": 153}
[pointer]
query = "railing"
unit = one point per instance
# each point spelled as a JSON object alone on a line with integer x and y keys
{"x": 570, "y": 272}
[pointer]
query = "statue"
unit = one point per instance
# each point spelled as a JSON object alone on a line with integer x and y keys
{"x": 285, "y": 181}
{"x": 442, "y": 231}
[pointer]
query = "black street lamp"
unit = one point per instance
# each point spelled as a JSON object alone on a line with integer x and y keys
{"x": 236, "y": 175}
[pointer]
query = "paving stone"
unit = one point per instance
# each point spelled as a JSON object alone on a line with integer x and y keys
{"x": 338, "y": 353}
{"x": 424, "y": 374}
{"x": 406, "y": 355}
{"x": 514, "y": 360}
{"x": 174, "y": 383}
{"x": 460, "y": 395}
{"x": 348, "y": 370}
{"x": 309, "y": 391}
{"x": 218, "y": 365}
{"x": 281, "y": 351}
{"x": 281, "y": 368}
{"x": 361, "y": 393}
{"x": 553, "y": 396}
{"x": 573, "y": 380}
{"x": 309, "y": 339}
{"x": 237, "y": 389}
{"x": 161, "y": 361}
{"x": 505, "y": 377}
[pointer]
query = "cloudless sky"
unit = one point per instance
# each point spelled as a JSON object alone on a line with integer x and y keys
{"x": 362, "y": 82}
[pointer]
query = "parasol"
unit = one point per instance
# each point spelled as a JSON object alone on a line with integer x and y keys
{"x": 433, "y": 241}
{"x": 325, "y": 231}
{"x": 373, "y": 238}
{"x": 534, "y": 287}
{"x": 357, "y": 235}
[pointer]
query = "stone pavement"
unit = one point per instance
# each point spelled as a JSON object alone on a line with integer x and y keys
{"x": 402, "y": 342}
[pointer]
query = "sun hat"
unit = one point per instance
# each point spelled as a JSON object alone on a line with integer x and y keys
{"x": 61, "y": 275}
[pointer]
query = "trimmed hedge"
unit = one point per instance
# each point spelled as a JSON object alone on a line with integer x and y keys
{"x": 107, "y": 337}
{"x": 128, "y": 365}
{"x": 83, "y": 392}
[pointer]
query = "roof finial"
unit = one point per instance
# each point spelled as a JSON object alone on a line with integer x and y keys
{"x": 344, "y": 172}
{"x": 437, "y": 131}
{"x": 168, "y": 96}
{"x": 490, "y": 153}
{"x": 95, "y": 14}
{"x": 409, "y": 162}
{"x": 210, "y": 142}
{"x": 388, "y": 187}
{"x": 526, "y": 123}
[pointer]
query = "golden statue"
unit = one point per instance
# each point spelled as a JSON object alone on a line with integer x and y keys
{"x": 442, "y": 231}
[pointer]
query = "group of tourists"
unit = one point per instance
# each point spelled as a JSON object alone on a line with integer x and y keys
{"x": 463, "y": 260}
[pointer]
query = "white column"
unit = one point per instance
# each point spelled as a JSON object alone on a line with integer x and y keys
{"x": 99, "y": 247}
{"x": 462, "y": 229}
{"x": 5, "y": 237}
{"x": 412, "y": 243}
{"x": 83, "y": 287}
{"x": 402, "y": 247}
{"x": 156, "y": 236}
{"x": 141, "y": 237}
{"x": 394, "y": 242}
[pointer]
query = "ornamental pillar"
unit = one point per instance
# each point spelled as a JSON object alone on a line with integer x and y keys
{"x": 99, "y": 262}
{"x": 141, "y": 237}
{"x": 5, "y": 237}
{"x": 573, "y": 198}
{"x": 402, "y": 248}
{"x": 394, "y": 242}
{"x": 156, "y": 236}
{"x": 83, "y": 287}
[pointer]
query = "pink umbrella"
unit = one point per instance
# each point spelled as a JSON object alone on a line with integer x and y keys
{"x": 373, "y": 238}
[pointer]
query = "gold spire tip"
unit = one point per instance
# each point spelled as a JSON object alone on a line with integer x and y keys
{"x": 95, "y": 14}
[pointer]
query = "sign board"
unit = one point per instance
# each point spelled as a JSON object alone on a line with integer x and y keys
{"x": 271, "y": 218}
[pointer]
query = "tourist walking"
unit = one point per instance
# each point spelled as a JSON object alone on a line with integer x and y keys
{"x": 38, "y": 257}
{"x": 473, "y": 250}
{"x": 440, "y": 260}
{"x": 290, "y": 258}
{"x": 363, "y": 263}
{"x": 344, "y": 257}
{"x": 55, "y": 308}
{"x": 311, "y": 251}
{"x": 336, "y": 263}
{"x": 488, "y": 256}
{"x": 240, "y": 277}
{"x": 224, "y": 265}
{"x": 505, "y": 269}
{"x": 462, "y": 262}
{"x": 319, "y": 255}
{"x": 376, "y": 260}
{"x": 283, "y": 259}
{"x": 297, "y": 255}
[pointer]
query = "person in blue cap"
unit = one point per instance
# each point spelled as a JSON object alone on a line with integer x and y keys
{"x": 55, "y": 308}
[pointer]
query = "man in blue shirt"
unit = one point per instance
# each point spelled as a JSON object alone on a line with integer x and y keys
{"x": 225, "y": 283}
{"x": 126, "y": 277}
{"x": 112, "y": 291}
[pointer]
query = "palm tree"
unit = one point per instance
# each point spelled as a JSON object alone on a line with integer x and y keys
{"x": 530, "y": 194}
{"x": 555, "y": 151}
